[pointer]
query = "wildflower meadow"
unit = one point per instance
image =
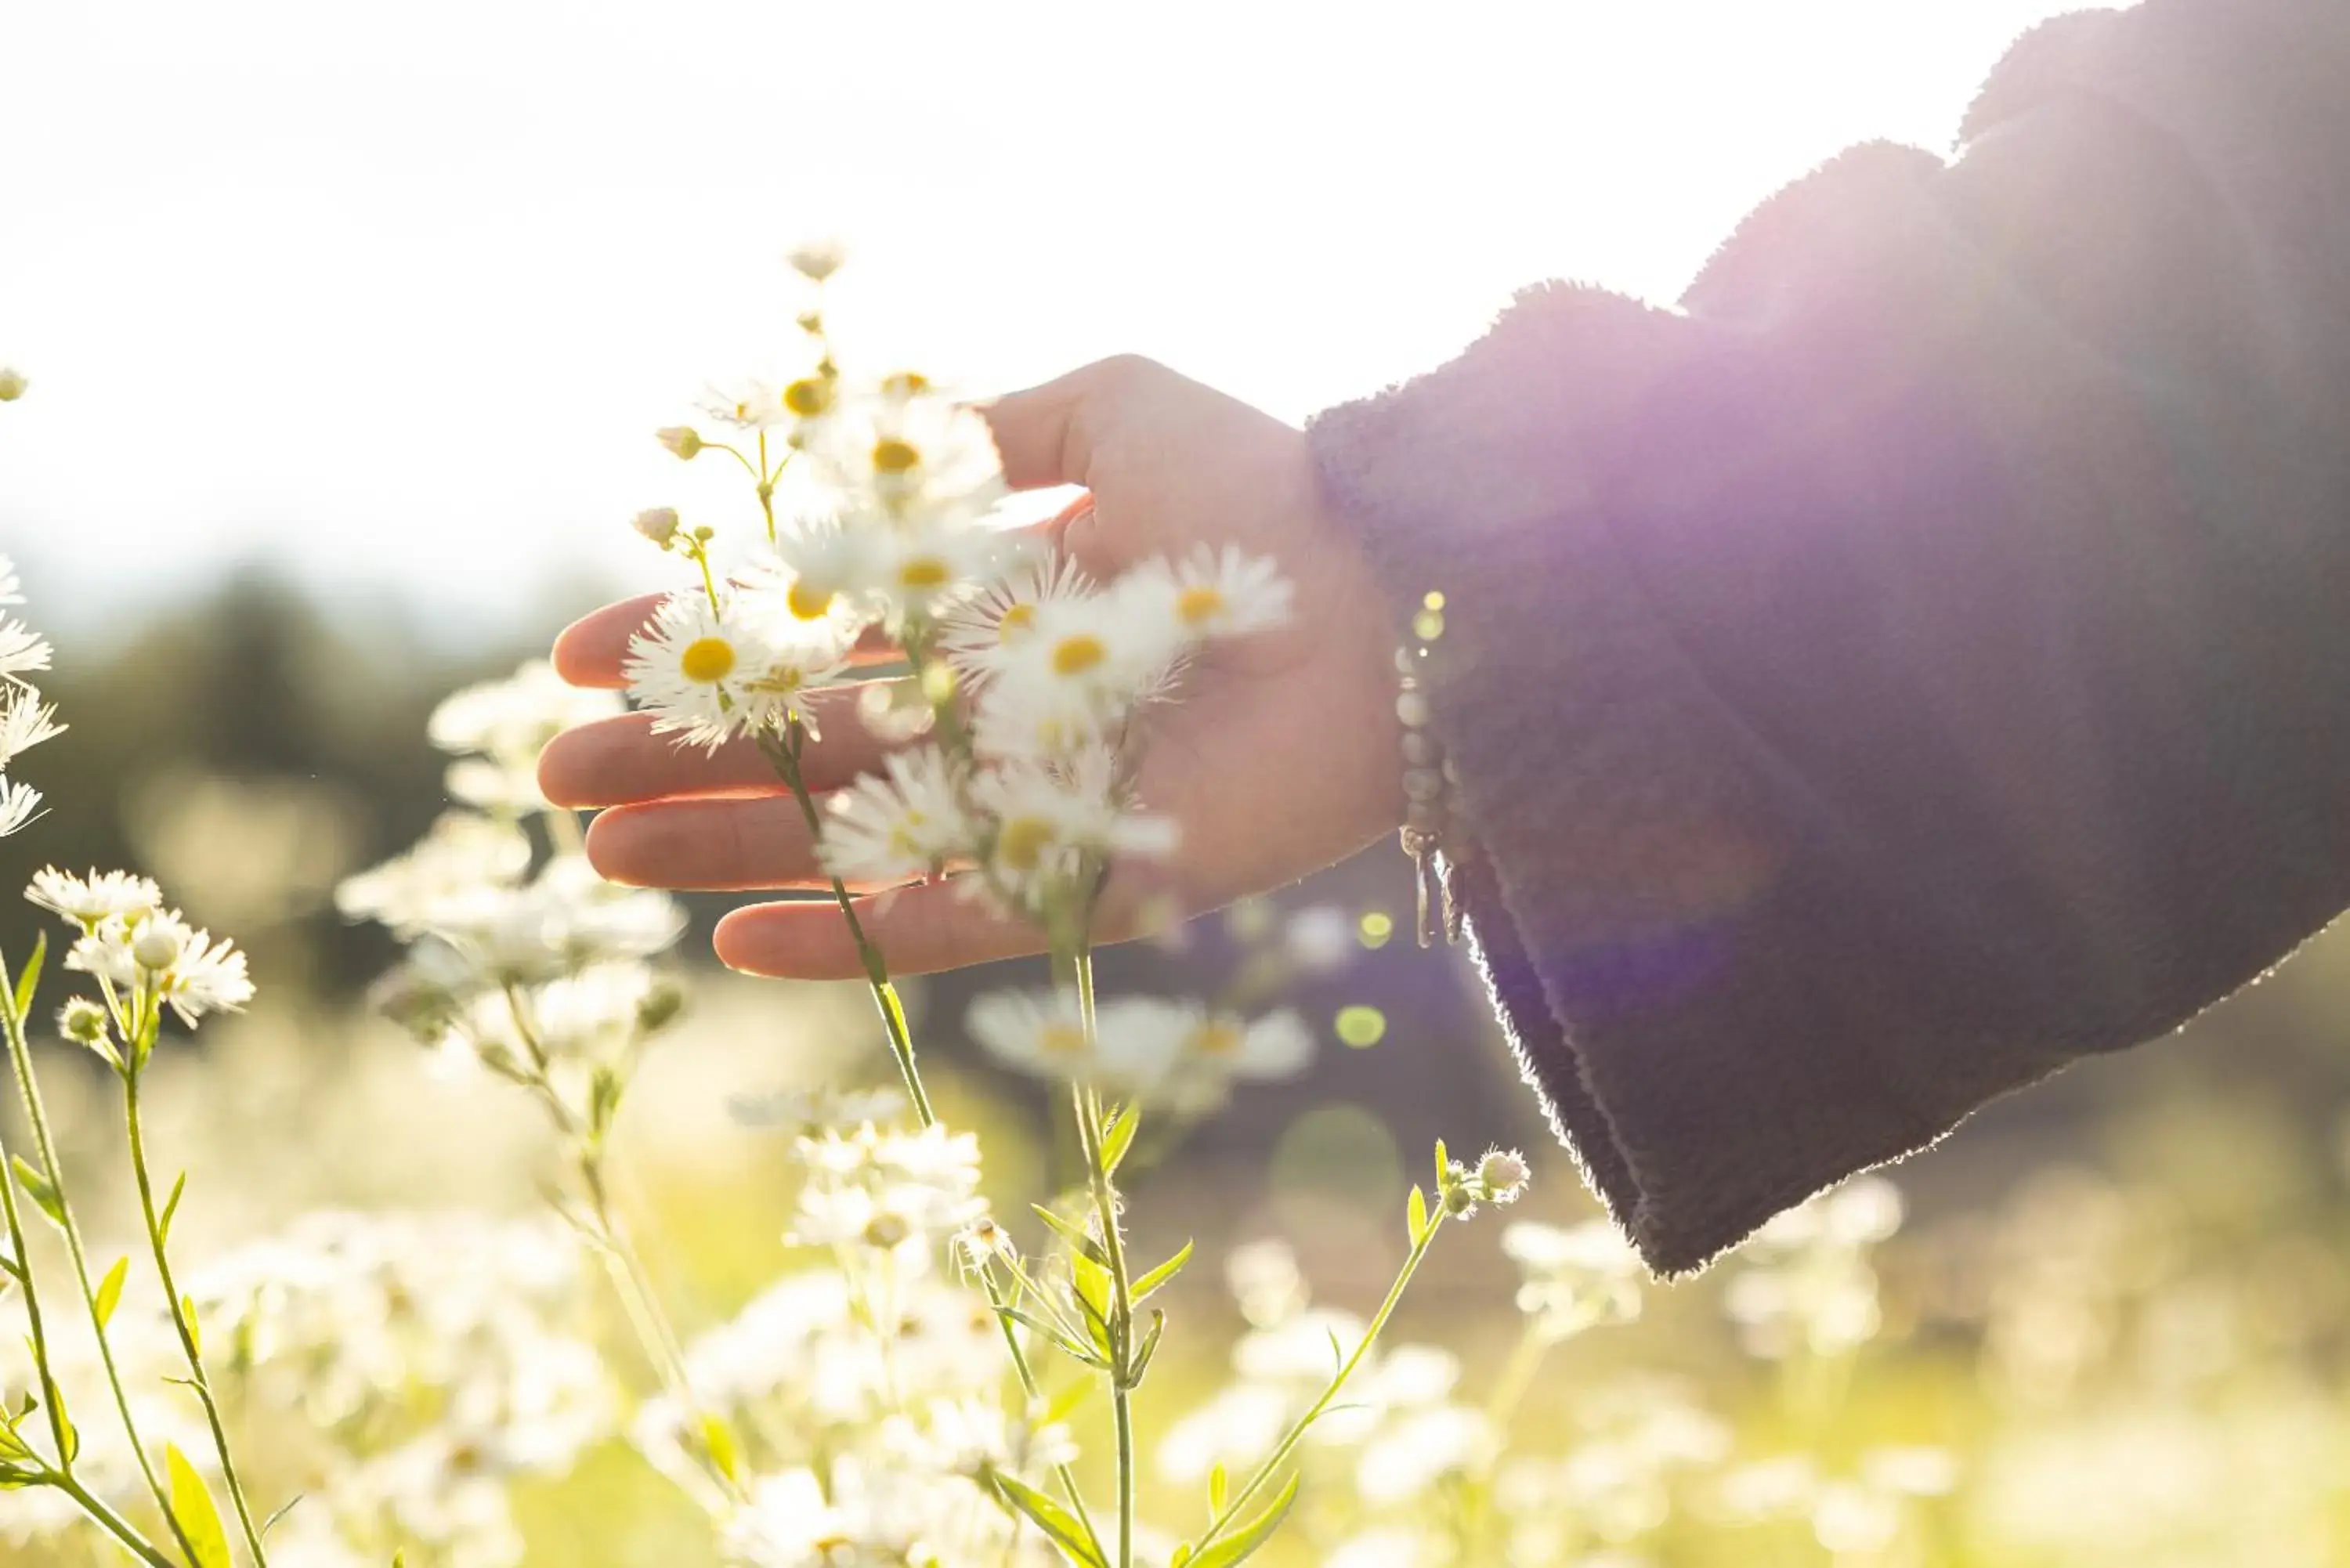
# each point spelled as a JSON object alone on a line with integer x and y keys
{"x": 563, "y": 1246}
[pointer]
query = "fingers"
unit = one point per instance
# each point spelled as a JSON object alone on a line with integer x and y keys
{"x": 706, "y": 846}
{"x": 919, "y": 930}
{"x": 621, "y": 761}
{"x": 1045, "y": 435}
{"x": 592, "y": 650}
{"x": 925, "y": 928}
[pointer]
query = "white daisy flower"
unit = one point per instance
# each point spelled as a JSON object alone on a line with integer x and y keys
{"x": 186, "y": 968}
{"x": 1034, "y": 1031}
{"x": 749, "y": 404}
{"x": 1074, "y": 678}
{"x": 1227, "y": 1045}
{"x": 923, "y": 570}
{"x": 25, "y": 722}
{"x": 688, "y": 669}
{"x": 1045, "y": 816}
{"x": 87, "y": 900}
{"x": 23, "y": 651}
{"x": 973, "y": 635}
{"x": 513, "y": 719}
{"x": 920, "y": 455}
{"x": 1211, "y": 593}
{"x": 20, "y": 804}
{"x": 903, "y": 823}
{"x": 821, "y": 568}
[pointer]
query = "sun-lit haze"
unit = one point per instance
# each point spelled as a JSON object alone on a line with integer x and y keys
{"x": 394, "y": 294}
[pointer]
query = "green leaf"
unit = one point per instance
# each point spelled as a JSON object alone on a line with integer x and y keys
{"x": 1219, "y": 1486}
{"x": 110, "y": 1290}
{"x": 1097, "y": 1322}
{"x": 1149, "y": 1348}
{"x": 1183, "y": 1556}
{"x": 30, "y": 980}
{"x": 1066, "y": 1403}
{"x": 1074, "y": 1233}
{"x": 12, "y": 1445}
{"x": 1244, "y": 1545}
{"x": 1162, "y": 1274}
{"x": 1118, "y": 1137}
{"x": 1085, "y": 1354}
{"x": 192, "y": 1505}
{"x": 36, "y": 1187}
{"x": 1093, "y": 1284}
{"x": 1059, "y": 1526}
{"x": 70, "y": 1433}
{"x": 188, "y": 1313}
{"x": 1443, "y": 1165}
{"x": 171, "y": 1206}
{"x": 1418, "y": 1215}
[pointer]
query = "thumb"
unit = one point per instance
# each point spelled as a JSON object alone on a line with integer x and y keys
{"x": 1045, "y": 435}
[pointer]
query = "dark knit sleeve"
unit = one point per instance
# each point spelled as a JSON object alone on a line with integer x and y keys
{"x": 1923, "y": 658}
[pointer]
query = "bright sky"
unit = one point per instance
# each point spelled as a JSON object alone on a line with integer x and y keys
{"x": 395, "y": 293}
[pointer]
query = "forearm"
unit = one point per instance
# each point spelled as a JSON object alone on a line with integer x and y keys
{"x": 1915, "y": 667}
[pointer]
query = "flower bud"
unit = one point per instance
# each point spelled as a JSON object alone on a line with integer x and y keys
{"x": 1460, "y": 1201}
{"x": 658, "y": 523}
{"x": 817, "y": 260}
{"x": 660, "y": 1007}
{"x": 1504, "y": 1175}
{"x": 82, "y": 1021}
{"x": 12, "y": 384}
{"x": 682, "y": 439}
{"x": 157, "y": 946}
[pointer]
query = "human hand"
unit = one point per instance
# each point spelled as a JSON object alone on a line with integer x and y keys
{"x": 1281, "y": 758}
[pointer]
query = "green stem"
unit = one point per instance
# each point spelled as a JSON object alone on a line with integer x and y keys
{"x": 630, "y": 1280}
{"x": 20, "y": 1055}
{"x": 1086, "y": 1102}
{"x": 1296, "y": 1432}
{"x": 1516, "y": 1378}
{"x": 113, "y": 1524}
{"x": 784, "y": 755}
{"x": 179, "y": 1310}
{"x": 1034, "y": 1391}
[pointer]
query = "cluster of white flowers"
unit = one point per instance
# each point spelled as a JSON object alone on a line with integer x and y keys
{"x": 1399, "y": 1429}
{"x": 24, "y": 719}
{"x": 541, "y": 976}
{"x": 436, "y": 1357}
{"x": 144, "y": 956}
{"x": 1175, "y": 1054}
{"x": 495, "y": 729}
{"x": 1805, "y": 1282}
{"x": 1035, "y": 670}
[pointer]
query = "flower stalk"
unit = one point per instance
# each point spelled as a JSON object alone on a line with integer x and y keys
{"x": 28, "y": 1090}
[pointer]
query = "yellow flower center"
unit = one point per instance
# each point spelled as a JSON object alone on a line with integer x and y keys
{"x": 1023, "y": 842}
{"x": 707, "y": 660}
{"x": 1060, "y": 1038}
{"x": 923, "y": 572}
{"x": 807, "y": 397}
{"x": 905, "y": 384}
{"x": 896, "y": 455}
{"x": 1217, "y": 1037}
{"x": 808, "y": 601}
{"x": 1016, "y": 620}
{"x": 1199, "y": 606}
{"x": 1077, "y": 654}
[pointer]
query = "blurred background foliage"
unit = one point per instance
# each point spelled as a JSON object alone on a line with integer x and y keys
{"x": 2119, "y": 1299}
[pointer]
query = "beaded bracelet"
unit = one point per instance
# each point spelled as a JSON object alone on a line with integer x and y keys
{"x": 1427, "y": 777}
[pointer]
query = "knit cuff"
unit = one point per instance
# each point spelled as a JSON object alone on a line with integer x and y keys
{"x": 1630, "y": 848}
